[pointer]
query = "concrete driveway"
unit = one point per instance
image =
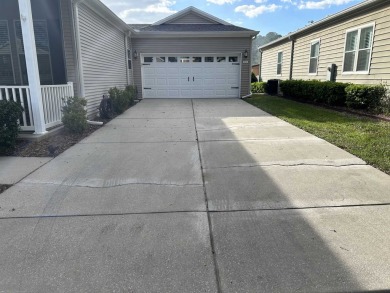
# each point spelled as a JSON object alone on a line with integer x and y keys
{"x": 197, "y": 196}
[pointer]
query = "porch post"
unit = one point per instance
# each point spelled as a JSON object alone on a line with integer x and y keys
{"x": 30, "y": 52}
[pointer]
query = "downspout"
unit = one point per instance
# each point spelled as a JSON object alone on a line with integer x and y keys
{"x": 260, "y": 62}
{"x": 80, "y": 75}
{"x": 292, "y": 56}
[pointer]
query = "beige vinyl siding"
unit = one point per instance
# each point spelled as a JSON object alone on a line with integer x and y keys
{"x": 191, "y": 18}
{"x": 69, "y": 47}
{"x": 103, "y": 55}
{"x": 193, "y": 45}
{"x": 332, "y": 50}
{"x": 270, "y": 61}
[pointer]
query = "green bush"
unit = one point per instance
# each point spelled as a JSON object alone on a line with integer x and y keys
{"x": 122, "y": 99}
{"x": 384, "y": 106}
{"x": 365, "y": 96}
{"x": 329, "y": 93}
{"x": 10, "y": 112}
{"x": 74, "y": 115}
{"x": 258, "y": 87}
{"x": 253, "y": 78}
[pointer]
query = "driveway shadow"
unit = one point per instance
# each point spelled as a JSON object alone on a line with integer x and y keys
{"x": 275, "y": 195}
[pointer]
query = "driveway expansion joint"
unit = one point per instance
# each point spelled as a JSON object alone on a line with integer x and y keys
{"x": 216, "y": 269}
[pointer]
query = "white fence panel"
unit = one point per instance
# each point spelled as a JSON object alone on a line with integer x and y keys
{"x": 53, "y": 98}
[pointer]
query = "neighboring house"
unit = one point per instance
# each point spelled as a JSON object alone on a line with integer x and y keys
{"x": 355, "y": 40}
{"x": 255, "y": 70}
{"x": 82, "y": 48}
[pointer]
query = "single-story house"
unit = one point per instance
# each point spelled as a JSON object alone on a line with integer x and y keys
{"x": 50, "y": 49}
{"x": 349, "y": 46}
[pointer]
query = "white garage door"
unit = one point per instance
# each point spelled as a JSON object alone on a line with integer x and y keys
{"x": 190, "y": 75}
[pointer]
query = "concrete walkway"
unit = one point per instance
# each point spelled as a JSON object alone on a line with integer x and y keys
{"x": 197, "y": 196}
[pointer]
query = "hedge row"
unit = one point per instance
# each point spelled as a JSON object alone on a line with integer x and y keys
{"x": 335, "y": 93}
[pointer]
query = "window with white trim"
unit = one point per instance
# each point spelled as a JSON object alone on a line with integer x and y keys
{"x": 314, "y": 54}
{"x": 6, "y": 68}
{"x": 43, "y": 51}
{"x": 358, "y": 47}
{"x": 279, "y": 64}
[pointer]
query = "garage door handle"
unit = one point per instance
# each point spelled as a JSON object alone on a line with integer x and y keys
{"x": 145, "y": 64}
{"x": 147, "y": 88}
{"x": 234, "y": 87}
{"x": 235, "y": 63}
{"x": 193, "y": 78}
{"x": 188, "y": 78}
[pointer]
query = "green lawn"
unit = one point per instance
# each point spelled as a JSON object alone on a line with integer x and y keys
{"x": 366, "y": 138}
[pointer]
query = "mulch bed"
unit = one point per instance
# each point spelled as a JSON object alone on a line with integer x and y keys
{"x": 50, "y": 146}
{"x": 55, "y": 144}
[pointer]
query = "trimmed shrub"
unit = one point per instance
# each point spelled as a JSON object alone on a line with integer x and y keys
{"x": 258, "y": 87}
{"x": 10, "y": 112}
{"x": 328, "y": 92}
{"x": 365, "y": 96}
{"x": 122, "y": 99}
{"x": 253, "y": 78}
{"x": 74, "y": 115}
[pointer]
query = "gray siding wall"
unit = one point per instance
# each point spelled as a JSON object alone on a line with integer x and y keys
{"x": 69, "y": 47}
{"x": 103, "y": 55}
{"x": 332, "y": 44}
{"x": 193, "y": 45}
{"x": 192, "y": 18}
{"x": 269, "y": 62}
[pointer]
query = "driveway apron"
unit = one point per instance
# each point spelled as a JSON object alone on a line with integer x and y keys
{"x": 202, "y": 195}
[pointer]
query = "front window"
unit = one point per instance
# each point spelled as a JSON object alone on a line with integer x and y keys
{"x": 279, "y": 64}
{"x": 6, "y": 68}
{"x": 358, "y": 47}
{"x": 43, "y": 51}
{"x": 314, "y": 54}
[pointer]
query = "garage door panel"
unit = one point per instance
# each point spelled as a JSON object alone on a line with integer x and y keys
{"x": 173, "y": 82}
{"x": 149, "y": 82}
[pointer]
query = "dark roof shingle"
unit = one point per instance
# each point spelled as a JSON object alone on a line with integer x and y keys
{"x": 191, "y": 28}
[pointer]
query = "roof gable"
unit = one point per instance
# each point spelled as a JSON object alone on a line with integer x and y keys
{"x": 189, "y": 16}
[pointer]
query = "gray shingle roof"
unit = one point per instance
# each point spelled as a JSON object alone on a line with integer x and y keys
{"x": 137, "y": 26}
{"x": 191, "y": 28}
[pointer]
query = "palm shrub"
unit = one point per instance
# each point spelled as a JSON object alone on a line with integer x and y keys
{"x": 10, "y": 113}
{"x": 74, "y": 115}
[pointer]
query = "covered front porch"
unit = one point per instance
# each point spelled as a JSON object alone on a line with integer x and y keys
{"x": 53, "y": 98}
{"x": 32, "y": 61}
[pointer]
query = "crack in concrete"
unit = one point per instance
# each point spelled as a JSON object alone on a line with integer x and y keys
{"x": 287, "y": 165}
{"x": 110, "y": 186}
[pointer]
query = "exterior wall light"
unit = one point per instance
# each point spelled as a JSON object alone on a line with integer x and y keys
{"x": 135, "y": 54}
{"x": 246, "y": 53}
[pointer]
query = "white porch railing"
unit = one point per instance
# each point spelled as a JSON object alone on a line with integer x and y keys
{"x": 52, "y": 98}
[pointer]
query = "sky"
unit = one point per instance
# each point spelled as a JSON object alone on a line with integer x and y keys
{"x": 280, "y": 16}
